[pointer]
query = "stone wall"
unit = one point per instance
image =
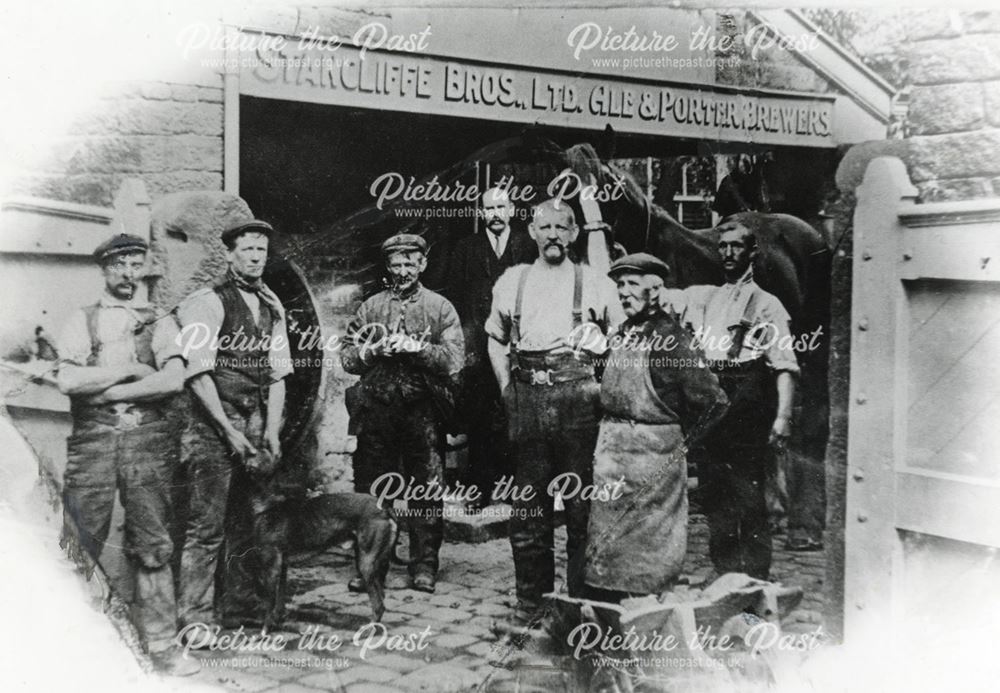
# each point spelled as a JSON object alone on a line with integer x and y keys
{"x": 952, "y": 152}
{"x": 169, "y": 135}
{"x": 954, "y": 115}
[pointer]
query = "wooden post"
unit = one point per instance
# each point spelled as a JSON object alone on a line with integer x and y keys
{"x": 869, "y": 533}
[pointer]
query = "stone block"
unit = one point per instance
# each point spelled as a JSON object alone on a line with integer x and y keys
{"x": 332, "y": 21}
{"x": 446, "y": 615}
{"x": 930, "y": 24}
{"x": 185, "y": 227}
{"x": 991, "y": 102}
{"x": 154, "y": 90}
{"x": 362, "y": 672}
{"x": 396, "y": 662}
{"x": 955, "y": 189}
{"x": 440, "y": 678}
{"x": 194, "y": 152}
{"x": 184, "y": 92}
{"x": 950, "y": 61}
{"x": 277, "y": 18}
{"x": 946, "y": 108}
{"x": 981, "y": 22}
{"x": 963, "y": 155}
{"x": 137, "y": 117}
{"x": 182, "y": 181}
{"x": 112, "y": 154}
{"x": 209, "y": 95}
{"x": 370, "y": 688}
{"x": 455, "y": 640}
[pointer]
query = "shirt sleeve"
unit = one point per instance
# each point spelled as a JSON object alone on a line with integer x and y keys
{"x": 779, "y": 353}
{"x": 448, "y": 356}
{"x": 498, "y": 324}
{"x": 613, "y": 311}
{"x": 280, "y": 353}
{"x": 166, "y": 342}
{"x": 200, "y": 317}
{"x": 693, "y": 301}
{"x": 73, "y": 344}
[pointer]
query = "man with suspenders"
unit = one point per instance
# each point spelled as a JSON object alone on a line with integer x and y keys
{"x": 545, "y": 329}
{"x": 121, "y": 365}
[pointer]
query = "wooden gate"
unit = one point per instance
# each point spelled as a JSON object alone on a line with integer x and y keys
{"x": 923, "y": 481}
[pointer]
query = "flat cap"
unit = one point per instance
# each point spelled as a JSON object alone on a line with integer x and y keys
{"x": 120, "y": 244}
{"x": 404, "y": 242}
{"x": 237, "y": 230}
{"x": 639, "y": 263}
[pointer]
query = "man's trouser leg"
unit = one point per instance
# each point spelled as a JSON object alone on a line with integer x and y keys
{"x": 89, "y": 486}
{"x": 576, "y": 437}
{"x": 244, "y": 597}
{"x": 141, "y": 463}
{"x": 739, "y": 531}
{"x": 208, "y": 466}
{"x": 376, "y": 453}
{"x": 148, "y": 459}
{"x": 489, "y": 450}
{"x": 552, "y": 429}
{"x": 419, "y": 437}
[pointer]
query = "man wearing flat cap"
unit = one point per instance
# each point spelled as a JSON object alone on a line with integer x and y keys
{"x": 406, "y": 343}
{"x": 657, "y": 396}
{"x": 236, "y": 342}
{"x": 120, "y": 364}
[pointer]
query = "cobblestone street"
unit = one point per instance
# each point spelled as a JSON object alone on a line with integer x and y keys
{"x": 475, "y": 586}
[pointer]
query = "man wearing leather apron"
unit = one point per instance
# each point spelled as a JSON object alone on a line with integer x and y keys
{"x": 657, "y": 396}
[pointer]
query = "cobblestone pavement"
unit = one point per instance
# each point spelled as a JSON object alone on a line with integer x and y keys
{"x": 475, "y": 586}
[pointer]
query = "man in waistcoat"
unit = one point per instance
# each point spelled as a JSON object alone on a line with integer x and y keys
{"x": 121, "y": 366}
{"x": 236, "y": 343}
{"x": 545, "y": 330}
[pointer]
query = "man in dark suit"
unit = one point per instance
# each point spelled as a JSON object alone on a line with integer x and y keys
{"x": 477, "y": 262}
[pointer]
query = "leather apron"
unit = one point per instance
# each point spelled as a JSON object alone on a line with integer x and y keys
{"x": 636, "y": 543}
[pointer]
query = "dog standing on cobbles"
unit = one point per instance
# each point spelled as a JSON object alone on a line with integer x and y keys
{"x": 320, "y": 523}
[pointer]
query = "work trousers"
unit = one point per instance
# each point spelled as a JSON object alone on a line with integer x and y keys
{"x": 553, "y": 431}
{"x": 405, "y": 438}
{"x": 486, "y": 427}
{"x": 732, "y": 468}
{"x": 139, "y": 462}
{"x": 225, "y": 504}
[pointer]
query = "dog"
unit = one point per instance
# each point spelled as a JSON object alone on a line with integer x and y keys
{"x": 322, "y": 522}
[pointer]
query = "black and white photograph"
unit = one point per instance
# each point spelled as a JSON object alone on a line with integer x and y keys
{"x": 371, "y": 346}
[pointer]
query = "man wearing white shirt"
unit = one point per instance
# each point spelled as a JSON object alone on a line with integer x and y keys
{"x": 745, "y": 334}
{"x": 120, "y": 365}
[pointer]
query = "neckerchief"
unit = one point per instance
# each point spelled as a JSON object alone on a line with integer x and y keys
{"x": 259, "y": 288}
